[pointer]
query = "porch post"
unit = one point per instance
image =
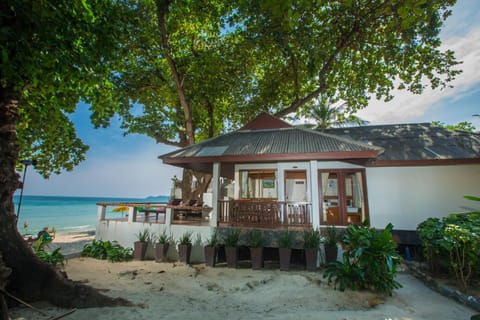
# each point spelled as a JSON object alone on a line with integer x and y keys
{"x": 132, "y": 214}
{"x": 215, "y": 181}
{"x": 101, "y": 213}
{"x": 168, "y": 216}
{"x": 315, "y": 199}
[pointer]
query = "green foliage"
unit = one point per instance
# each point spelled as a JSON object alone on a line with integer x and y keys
{"x": 370, "y": 261}
{"x": 188, "y": 65}
{"x": 163, "y": 238}
{"x": 462, "y": 126}
{"x": 285, "y": 239}
{"x": 186, "y": 238}
{"x": 431, "y": 232}
{"x": 52, "y": 54}
{"x": 104, "y": 250}
{"x": 256, "y": 239}
{"x": 332, "y": 236}
{"x": 311, "y": 239}
{"x": 326, "y": 115}
{"x": 213, "y": 241}
{"x": 54, "y": 258}
{"x": 231, "y": 237}
{"x": 145, "y": 236}
{"x": 455, "y": 241}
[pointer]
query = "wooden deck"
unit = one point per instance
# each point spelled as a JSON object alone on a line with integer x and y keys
{"x": 268, "y": 214}
{"x": 265, "y": 214}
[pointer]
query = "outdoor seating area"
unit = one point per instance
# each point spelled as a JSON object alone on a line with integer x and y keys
{"x": 178, "y": 212}
{"x": 192, "y": 210}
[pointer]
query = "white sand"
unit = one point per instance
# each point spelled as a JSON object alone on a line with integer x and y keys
{"x": 72, "y": 242}
{"x": 175, "y": 291}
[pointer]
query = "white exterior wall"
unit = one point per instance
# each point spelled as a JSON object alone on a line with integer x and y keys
{"x": 405, "y": 196}
{"x": 125, "y": 234}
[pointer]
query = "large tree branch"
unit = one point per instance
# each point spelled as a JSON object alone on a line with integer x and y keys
{"x": 162, "y": 12}
{"x": 160, "y": 139}
{"x": 344, "y": 41}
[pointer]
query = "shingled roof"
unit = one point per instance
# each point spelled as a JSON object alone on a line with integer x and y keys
{"x": 275, "y": 144}
{"x": 419, "y": 142}
{"x": 268, "y": 139}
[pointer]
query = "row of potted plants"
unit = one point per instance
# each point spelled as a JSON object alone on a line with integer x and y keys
{"x": 162, "y": 244}
{"x": 256, "y": 241}
{"x": 285, "y": 241}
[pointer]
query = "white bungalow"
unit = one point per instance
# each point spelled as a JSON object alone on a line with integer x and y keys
{"x": 272, "y": 175}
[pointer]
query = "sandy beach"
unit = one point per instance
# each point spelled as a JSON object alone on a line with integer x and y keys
{"x": 176, "y": 291}
{"x": 71, "y": 243}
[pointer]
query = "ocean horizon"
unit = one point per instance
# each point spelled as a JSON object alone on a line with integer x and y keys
{"x": 65, "y": 213}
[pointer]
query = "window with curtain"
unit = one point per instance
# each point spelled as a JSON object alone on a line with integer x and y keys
{"x": 258, "y": 184}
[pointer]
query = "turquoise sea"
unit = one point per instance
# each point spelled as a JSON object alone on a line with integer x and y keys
{"x": 66, "y": 214}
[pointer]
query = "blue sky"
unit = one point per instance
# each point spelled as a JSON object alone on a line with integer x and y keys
{"x": 119, "y": 166}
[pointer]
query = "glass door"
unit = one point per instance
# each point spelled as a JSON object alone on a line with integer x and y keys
{"x": 342, "y": 194}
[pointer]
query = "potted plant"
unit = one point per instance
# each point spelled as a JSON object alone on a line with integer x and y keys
{"x": 161, "y": 248}
{"x": 210, "y": 250}
{"x": 140, "y": 246}
{"x": 285, "y": 243}
{"x": 231, "y": 250}
{"x": 185, "y": 247}
{"x": 330, "y": 244}
{"x": 256, "y": 242}
{"x": 311, "y": 240}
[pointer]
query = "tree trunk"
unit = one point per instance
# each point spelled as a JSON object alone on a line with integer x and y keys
{"x": 31, "y": 279}
{"x": 162, "y": 13}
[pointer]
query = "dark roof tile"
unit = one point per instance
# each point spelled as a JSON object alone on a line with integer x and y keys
{"x": 419, "y": 141}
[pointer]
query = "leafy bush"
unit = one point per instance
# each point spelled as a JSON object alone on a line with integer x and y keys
{"x": 103, "y": 250}
{"x": 256, "y": 239}
{"x": 285, "y": 239}
{"x": 213, "y": 240}
{"x": 145, "y": 236}
{"x": 311, "y": 239}
{"x": 454, "y": 241}
{"x": 186, "y": 238}
{"x": 232, "y": 237}
{"x": 54, "y": 258}
{"x": 332, "y": 236}
{"x": 369, "y": 262}
{"x": 163, "y": 238}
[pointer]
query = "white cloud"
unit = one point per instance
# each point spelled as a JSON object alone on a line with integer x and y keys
{"x": 407, "y": 107}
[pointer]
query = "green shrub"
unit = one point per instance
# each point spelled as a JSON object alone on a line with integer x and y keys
{"x": 431, "y": 232}
{"x": 103, "y": 250}
{"x": 285, "y": 239}
{"x": 145, "y": 236}
{"x": 163, "y": 238}
{"x": 256, "y": 239}
{"x": 332, "y": 236}
{"x": 186, "y": 238}
{"x": 453, "y": 241}
{"x": 311, "y": 239}
{"x": 54, "y": 258}
{"x": 213, "y": 240}
{"x": 369, "y": 262}
{"x": 232, "y": 237}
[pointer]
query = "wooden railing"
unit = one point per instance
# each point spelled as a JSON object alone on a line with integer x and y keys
{"x": 264, "y": 213}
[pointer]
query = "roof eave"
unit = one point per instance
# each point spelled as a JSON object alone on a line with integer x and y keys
{"x": 423, "y": 162}
{"x": 274, "y": 157}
